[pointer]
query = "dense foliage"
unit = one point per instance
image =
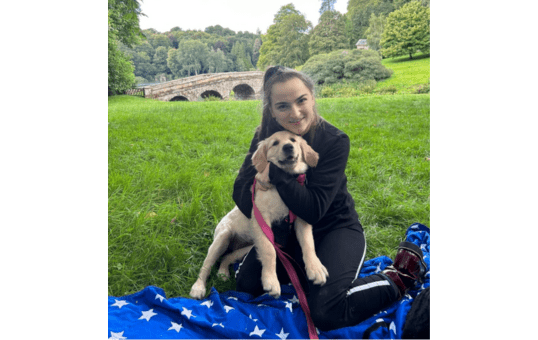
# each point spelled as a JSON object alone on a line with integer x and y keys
{"x": 177, "y": 53}
{"x": 352, "y": 65}
{"x": 122, "y": 29}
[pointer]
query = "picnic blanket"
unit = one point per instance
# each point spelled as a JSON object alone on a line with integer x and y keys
{"x": 148, "y": 314}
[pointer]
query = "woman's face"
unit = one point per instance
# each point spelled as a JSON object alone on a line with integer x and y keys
{"x": 292, "y": 105}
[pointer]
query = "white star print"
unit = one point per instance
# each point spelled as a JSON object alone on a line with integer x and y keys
{"x": 159, "y": 296}
{"x": 282, "y": 335}
{"x": 233, "y": 298}
{"x": 116, "y": 336}
{"x": 423, "y": 247}
{"x": 120, "y": 303}
{"x": 250, "y": 316}
{"x": 262, "y": 305}
{"x": 147, "y": 315}
{"x": 218, "y": 324}
{"x": 176, "y": 327}
{"x": 228, "y": 308}
{"x": 207, "y": 303}
{"x": 393, "y": 327}
{"x": 378, "y": 269}
{"x": 257, "y": 332}
{"x": 294, "y": 300}
{"x": 289, "y": 305}
{"x": 187, "y": 313}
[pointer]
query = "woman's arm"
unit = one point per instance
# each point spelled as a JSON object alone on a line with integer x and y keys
{"x": 242, "y": 194}
{"x": 312, "y": 201}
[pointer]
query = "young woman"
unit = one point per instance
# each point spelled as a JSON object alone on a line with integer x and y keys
{"x": 324, "y": 202}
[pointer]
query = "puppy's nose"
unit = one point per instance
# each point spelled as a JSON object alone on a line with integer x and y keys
{"x": 288, "y": 148}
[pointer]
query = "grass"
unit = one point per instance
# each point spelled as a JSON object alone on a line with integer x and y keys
{"x": 408, "y": 73}
{"x": 172, "y": 166}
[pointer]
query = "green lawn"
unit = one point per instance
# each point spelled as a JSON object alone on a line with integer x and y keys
{"x": 172, "y": 166}
{"x": 407, "y": 72}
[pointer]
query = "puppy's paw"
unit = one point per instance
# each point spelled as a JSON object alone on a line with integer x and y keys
{"x": 223, "y": 273}
{"x": 271, "y": 285}
{"x": 197, "y": 290}
{"x": 316, "y": 271}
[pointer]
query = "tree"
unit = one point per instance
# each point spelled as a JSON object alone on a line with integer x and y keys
{"x": 359, "y": 12}
{"x": 120, "y": 69}
{"x": 160, "y": 40}
{"x": 189, "y": 59}
{"x": 329, "y": 34}
{"x": 123, "y": 26}
{"x": 159, "y": 60}
{"x": 256, "y": 51}
{"x": 407, "y": 30}
{"x": 217, "y": 62}
{"x": 375, "y": 30}
{"x": 286, "y": 41}
{"x": 123, "y": 21}
{"x": 327, "y": 5}
{"x": 242, "y": 60}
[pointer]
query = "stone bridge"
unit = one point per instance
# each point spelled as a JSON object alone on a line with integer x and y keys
{"x": 245, "y": 85}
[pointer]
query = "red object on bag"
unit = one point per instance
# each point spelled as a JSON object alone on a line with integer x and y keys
{"x": 286, "y": 262}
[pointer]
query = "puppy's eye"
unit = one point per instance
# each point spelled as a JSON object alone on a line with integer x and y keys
{"x": 275, "y": 143}
{"x": 292, "y": 139}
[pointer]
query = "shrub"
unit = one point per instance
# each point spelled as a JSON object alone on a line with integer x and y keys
{"x": 391, "y": 89}
{"x": 422, "y": 88}
{"x": 348, "y": 92}
{"x": 368, "y": 86}
{"x": 327, "y": 92}
{"x": 341, "y": 65}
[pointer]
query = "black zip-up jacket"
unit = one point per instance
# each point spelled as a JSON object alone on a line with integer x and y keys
{"x": 324, "y": 201}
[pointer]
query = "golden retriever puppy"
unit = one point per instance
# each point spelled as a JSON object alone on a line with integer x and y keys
{"x": 237, "y": 233}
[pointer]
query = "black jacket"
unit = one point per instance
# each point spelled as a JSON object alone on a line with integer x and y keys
{"x": 324, "y": 201}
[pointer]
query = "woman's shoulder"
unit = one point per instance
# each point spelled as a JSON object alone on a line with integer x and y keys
{"x": 326, "y": 131}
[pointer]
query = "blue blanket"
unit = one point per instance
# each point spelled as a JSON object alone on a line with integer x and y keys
{"x": 148, "y": 314}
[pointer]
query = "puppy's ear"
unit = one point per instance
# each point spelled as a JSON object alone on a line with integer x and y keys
{"x": 259, "y": 158}
{"x": 310, "y": 156}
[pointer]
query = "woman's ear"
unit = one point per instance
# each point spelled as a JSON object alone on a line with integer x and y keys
{"x": 259, "y": 158}
{"x": 310, "y": 156}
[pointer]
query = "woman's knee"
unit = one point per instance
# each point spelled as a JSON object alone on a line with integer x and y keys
{"x": 323, "y": 309}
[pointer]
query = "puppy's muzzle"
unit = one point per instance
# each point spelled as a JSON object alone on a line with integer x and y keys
{"x": 289, "y": 155}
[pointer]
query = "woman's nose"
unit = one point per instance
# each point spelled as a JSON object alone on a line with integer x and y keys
{"x": 295, "y": 113}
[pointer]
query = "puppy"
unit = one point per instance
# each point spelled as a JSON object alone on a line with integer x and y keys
{"x": 237, "y": 233}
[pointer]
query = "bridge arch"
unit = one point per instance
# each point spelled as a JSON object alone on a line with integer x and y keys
{"x": 244, "y": 92}
{"x": 209, "y": 93}
{"x": 179, "y": 99}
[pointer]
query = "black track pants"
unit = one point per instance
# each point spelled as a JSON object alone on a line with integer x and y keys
{"x": 343, "y": 301}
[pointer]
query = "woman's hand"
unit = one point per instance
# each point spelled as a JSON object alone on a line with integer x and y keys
{"x": 262, "y": 179}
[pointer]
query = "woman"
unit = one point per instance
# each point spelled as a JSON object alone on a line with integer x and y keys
{"x": 324, "y": 202}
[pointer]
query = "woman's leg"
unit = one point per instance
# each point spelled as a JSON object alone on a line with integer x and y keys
{"x": 345, "y": 301}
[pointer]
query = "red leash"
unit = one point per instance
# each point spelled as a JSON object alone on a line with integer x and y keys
{"x": 287, "y": 264}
